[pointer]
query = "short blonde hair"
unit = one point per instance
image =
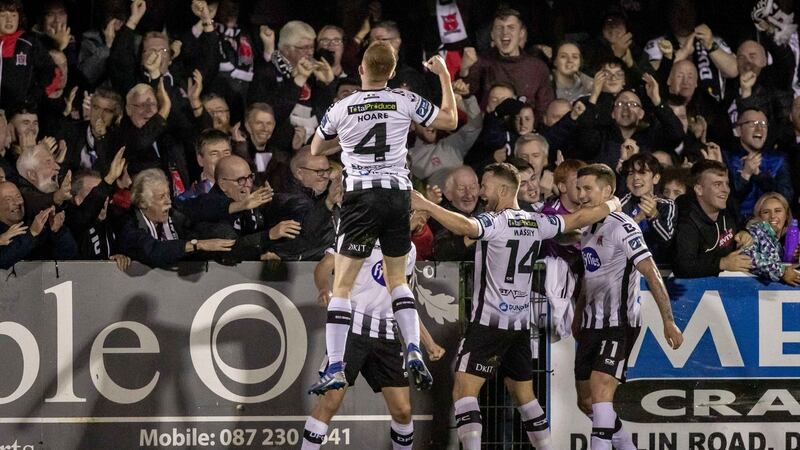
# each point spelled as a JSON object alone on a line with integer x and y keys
{"x": 379, "y": 61}
{"x": 292, "y": 32}
{"x": 142, "y": 190}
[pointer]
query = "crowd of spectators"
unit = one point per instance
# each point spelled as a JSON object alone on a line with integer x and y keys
{"x": 156, "y": 140}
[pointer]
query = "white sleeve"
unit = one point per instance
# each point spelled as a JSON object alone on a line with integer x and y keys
{"x": 421, "y": 110}
{"x": 632, "y": 242}
{"x": 489, "y": 225}
{"x": 652, "y": 50}
{"x": 549, "y": 226}
{"x": 327, "y": 127}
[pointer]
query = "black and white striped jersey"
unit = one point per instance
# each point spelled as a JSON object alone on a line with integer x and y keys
{"x": 373, "y": 126}
{"x": 371, "y": 301}
{"x": 508, "y": 246}
{"x": 611, "y": 249}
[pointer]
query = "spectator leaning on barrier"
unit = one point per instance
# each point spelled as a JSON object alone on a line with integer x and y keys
{"x": 88, "y": 215}
{"x": 308, "y": 201}
{"x": 654, "y": 214}
{"x": 768, "y": 227}
{"x": 156, "y": 234}
{"x": 45, "y": 238}
{"x": 707, "y": 235}
{"x": 461, "y": 190}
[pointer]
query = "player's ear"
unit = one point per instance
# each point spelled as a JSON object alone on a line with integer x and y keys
{"x": 361, "y": 70}
{"x": 393, "y": 74}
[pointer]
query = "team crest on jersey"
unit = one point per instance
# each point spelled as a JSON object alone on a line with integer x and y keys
{"x": 22, "y": 59}
{"x": 423, "y": 108}
{"x": 591, "y": 260}
{"x": 635, "y": 243}
{"x": 377, "y": 273}
{"x": 600, "y": 241}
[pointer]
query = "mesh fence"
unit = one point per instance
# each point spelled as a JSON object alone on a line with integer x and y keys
{"x": 502, "y": 427}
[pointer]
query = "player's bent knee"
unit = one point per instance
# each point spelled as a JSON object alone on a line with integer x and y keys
{"x": 401, "y": 413}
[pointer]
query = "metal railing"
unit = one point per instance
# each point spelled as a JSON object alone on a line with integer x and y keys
{"x": 502, "y": 426}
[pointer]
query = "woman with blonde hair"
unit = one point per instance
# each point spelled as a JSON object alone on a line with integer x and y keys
{"x": 771, "y": 218}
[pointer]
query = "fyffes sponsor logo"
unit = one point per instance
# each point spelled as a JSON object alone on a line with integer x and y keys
{"x": 377, "y": 273}
{"x": 591, "y": 260}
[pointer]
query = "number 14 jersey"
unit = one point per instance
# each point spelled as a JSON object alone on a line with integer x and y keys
{"x": 373, "y": 126}
{"x": 508, "y": 246}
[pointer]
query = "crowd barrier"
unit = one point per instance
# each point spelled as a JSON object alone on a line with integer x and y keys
{"x": 209, "y": 357}
{"x": 220, "y": 357}
{"x": 734, "y": 384}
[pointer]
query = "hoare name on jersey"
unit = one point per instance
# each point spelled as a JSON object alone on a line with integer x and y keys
{"x": 523, "y": 227}
{"x": 370, "y": 111}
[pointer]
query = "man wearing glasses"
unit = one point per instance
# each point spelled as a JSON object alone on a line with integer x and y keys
{"x": 331, "y": 40}
{"x": 143, "y": 133}
{"x": 613, "y": 143}
{"x": 756, "y": 170}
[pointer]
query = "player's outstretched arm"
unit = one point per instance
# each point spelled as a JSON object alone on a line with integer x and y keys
{"x": 458, "y": 224}
{"x": 447, "y": 119}
{"x": 435, "y": 351}
{"x": 587, "y": 216}
{"x": 320, "y": 146}
{"x": 648, "y": 268}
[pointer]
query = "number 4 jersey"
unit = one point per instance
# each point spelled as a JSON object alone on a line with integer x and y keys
{"x": 373, "y": 127}
{"x": 508, "y": 246}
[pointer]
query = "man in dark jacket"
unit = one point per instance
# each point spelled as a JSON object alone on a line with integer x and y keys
{"x": 654, "y": 214}
{"x": 308, "y": 201}
{"x": 754, "y": 169}
{"x": 88, "y": 213}
{"x": 461, "y": 191}
{"x": 143, "y": 133}
{"x": 157, "y": 234}
{"x": 45, "y": 238}
{"x": 249, "y": 227}
{"x": 603, "y": 144}
{"x": 105, "y": 108}
{"x": 27, "y": 68}
{"x": 707, "y": 234}
{"x": 38, "y": 181}
{"x": 293, "y": 77}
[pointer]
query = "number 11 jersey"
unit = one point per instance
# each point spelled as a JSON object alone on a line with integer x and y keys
{"x": 508, "y": 246}
{"x": 373, "y": 127}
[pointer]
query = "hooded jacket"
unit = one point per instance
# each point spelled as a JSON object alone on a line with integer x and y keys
{"x": 700, "y": 242}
